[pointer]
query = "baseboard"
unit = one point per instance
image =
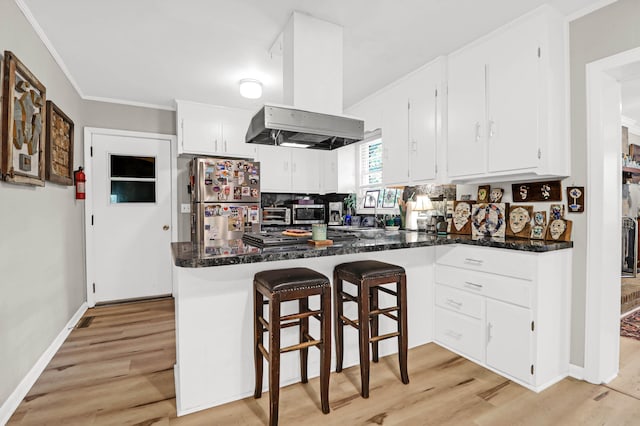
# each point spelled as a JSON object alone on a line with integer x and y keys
{"x": 11, "y": 404}
{"x": 576, "y": 372}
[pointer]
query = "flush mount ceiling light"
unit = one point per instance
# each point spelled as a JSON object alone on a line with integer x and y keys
{"x": 250, "y": 88}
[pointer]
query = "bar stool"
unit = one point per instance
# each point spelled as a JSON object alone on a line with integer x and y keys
{"x": 368, "y": 276}
{"x": 281, "y": 285}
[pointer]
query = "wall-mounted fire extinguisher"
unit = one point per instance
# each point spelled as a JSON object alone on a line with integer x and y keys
{"x": 80, "y": 179}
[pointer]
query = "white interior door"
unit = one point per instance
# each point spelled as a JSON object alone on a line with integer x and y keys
{"x": 131, "y": 216}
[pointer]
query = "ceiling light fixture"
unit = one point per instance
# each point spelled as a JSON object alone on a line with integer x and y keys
{"x": 250, "y": 88}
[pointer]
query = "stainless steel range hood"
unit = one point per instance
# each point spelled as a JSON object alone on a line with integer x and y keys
{"x": 289, "y": 126}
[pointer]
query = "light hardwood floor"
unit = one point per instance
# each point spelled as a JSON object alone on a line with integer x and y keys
{"x": 116, "y": 368}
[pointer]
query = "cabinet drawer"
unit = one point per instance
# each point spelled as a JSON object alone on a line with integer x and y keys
{"x": 459, "y": 301}
{"x": 512, "y": 290}
{"x": 460, "y": 333}
{"x": 496, "y": 261}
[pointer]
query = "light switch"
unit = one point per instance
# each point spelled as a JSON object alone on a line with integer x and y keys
{"x": 185, "y": 208}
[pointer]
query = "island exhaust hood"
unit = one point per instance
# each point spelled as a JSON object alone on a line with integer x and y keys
{"x": 312, "y": 118}
{"x": 288, "y": 126}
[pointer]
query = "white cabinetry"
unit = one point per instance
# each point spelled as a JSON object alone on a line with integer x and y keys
{"x": 409, "y": 114}
{"x": 506, "y": 102}
{"x": 213, "y": 130}
{"x": 290, "y": 169}
{"x": 506, "y": 310}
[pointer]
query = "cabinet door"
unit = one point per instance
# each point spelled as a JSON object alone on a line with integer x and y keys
{"x": 329, "y": 172}
{"x": 369, "y": 110}
{"x": 305, "y": 170}
{"x": 395, "y": 136}
{"x": 423, "y": 124}
{"x": 466, "y": 108}
{"x": 198, "y": 131}
{"x": 234, "y": 129}
{"x": 275, "y": 168}
{"x": 509, "y": 338}
{"x": 514, "y": 88}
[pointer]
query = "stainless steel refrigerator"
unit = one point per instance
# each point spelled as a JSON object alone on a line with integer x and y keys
{"x": 225, "y": 199}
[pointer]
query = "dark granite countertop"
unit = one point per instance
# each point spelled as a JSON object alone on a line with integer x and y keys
{"x": 232, "y": 252}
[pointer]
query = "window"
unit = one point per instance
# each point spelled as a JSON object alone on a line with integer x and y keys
{"x": 370, "y": 161}
{"x": 133, "y": 179}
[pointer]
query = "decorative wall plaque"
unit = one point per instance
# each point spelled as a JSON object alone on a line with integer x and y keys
{"x": 537, "y": 191}
{"x": 519, "y": 224}
{"x": 461, "y": 217}
{"x": 575, "y": 199}
{"x": 59, "y": 164}
{"x": 488, "y": 220}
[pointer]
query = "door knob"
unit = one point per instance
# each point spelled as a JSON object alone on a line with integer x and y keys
{"x": 165, "y": 227}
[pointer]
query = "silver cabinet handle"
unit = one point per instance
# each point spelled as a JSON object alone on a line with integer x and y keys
{"x": 475, "y": 261}
{"x": 473, "y": 286}
{"x": 225, "y": 147}
{"x": 489, "y": 328}
{"x": 453, "y": 334}
{"x": 477, "y": 131}
{"x": 492, "y": 131}
{"x": 215, "y": 146}
{"x": 453, "y": 303}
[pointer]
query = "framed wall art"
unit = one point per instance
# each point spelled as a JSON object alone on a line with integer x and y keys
{"x": 488, "y": 220}
{"x": 559, "y": 230}
{"x": 371, "y": 199}
{"x": 575, "y": 199}
{"x": 461, "y": 218}
{"x": 539, "y": 227}
{"x": 390, "y": 198}
{"x": 495, "y": 195}
{"x": 59, "y": 137}
{"x": 519, "y": 224}
{"x": 23, "y": 124}
{"x": 483, "y": 193}
{"x": 537, "y": 191}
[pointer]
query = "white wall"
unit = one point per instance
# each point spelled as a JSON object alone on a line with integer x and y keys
{"x": 41, "y": 229}
{"x": 605, "y": 32}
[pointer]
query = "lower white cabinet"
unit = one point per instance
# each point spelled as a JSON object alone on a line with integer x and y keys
{"x": 506, "y": 310}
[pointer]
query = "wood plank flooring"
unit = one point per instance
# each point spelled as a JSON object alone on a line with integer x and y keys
{"x": 116, "y": 368}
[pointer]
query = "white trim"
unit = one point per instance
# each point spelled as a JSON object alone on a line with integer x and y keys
{"x": 602, "y": 337}
{"x": 126, "y": 102}
{"x": 11, "y": 404}
{"x": 47, "y": 43}
{"x": 589, "y": 9}
{"x": 576, "y": 372}
{"x": 89, "y": 256}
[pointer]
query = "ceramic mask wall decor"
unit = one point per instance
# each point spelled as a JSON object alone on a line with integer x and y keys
{"x": 539, "y": 226}
{"x": 559, "y": 230}
{"x": 519, "y": 221}
{"x": 556, "y": 211}
{"x": 495, "y": 196}
{"x": 483, "y": 193}
{"x": 461, "y": 223}
{"x": 488, "y": 220}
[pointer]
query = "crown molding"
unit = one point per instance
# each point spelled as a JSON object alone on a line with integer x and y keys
{"x": 589, "y": 9}
{"x": 129, "y": 103}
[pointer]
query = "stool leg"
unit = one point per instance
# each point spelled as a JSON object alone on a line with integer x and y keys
{"x": 274, "y": 362}
{"x": 373, "y": 292}
{"x": 304, "y": 330}
{"x": 403, "y": 345}
{"x": 258, "y": 334}
{"x": 325, "y": 348}
{"x": 363, "y": 334}
{"x": 337, "y": 284}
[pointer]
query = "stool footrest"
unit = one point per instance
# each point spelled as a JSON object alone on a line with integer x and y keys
{"x": 384, "y": 336}
{"x": 386, "y": 290}
{"x": 264, "y": 323}
{"x": 347, "y": 296}
{"x": 383, "y": 311}
{"x": 299, "y": 315}
{"x": 265, "y": 353}
{"x": 300, "y": 346}
{"x": 352, "y": 323}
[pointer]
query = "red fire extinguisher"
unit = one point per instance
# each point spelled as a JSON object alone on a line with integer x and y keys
{"x": 80, "y": 179}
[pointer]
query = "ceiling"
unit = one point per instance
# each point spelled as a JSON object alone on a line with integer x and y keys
{"x": 150, "y": 52}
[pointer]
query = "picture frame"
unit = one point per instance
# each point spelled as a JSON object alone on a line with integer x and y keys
{"x": 371, "y": 199}
{"x": 575, "y": 199}
{"x": 59, "y": 146}
{"x": 23, "y": 138}
{"x": 390, "y": 198}
{"x": 519, "y": 221}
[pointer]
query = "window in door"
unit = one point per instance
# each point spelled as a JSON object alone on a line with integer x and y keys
{"x": 133, "y": 179}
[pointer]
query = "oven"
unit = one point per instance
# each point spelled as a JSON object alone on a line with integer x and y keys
{"x": 304, "y": 214}
{"x": 276, "y": 216}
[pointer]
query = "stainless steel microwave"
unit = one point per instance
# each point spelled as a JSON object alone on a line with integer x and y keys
{"x": 303, "y": 214}
{"x": 276, "y": 216}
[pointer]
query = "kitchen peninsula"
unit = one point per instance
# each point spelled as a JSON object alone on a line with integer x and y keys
{"x": 214, "y": 311}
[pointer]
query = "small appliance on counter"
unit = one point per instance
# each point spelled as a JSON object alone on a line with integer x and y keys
{"x": 276, "y": 216}
{"x": 225, "y": 198}
{"x": 335, "y": 213}
{"x": 307, "y": 214}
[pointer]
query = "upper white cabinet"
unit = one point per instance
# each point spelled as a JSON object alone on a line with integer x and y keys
{"x": 290, "y": 169}
{"x": 213, "y": 130}
{"x": 506, "y": 102}
{"x": 409, "y": 112}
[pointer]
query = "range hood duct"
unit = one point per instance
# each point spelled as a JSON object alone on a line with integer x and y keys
{"x": 275, "y": 125}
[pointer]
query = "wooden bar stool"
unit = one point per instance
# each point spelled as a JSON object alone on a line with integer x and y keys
{"x": 368, "y": 276}
{"x": 280, "y": 285}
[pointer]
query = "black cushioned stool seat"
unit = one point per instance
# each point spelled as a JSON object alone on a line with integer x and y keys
{"x": 369, "y": 276}
{"x": 280, "y": 285}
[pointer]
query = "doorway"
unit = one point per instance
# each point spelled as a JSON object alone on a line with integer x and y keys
{"x": 604, "y": 179}
{"x": 128, "y": 211}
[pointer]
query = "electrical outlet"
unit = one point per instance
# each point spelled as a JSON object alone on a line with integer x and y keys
{"x": 185, "y": 208}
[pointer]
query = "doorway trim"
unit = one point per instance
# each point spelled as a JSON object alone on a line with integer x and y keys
{"x": 604, "y": 181}
{"x": 88, "y": 202}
